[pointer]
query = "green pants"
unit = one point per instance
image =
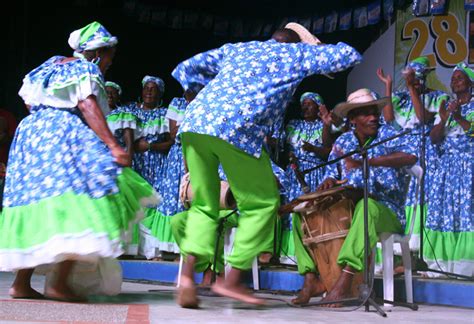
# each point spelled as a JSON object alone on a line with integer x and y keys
{"x": 178, "y": 225}
{"x": 381, "y": 219}
{"x": 254, "y": 187}
{"x": 304, "y": 260}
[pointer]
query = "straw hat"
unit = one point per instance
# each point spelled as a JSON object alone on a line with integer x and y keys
{"x": 303, "y": 33}
{"x": 358, "y": 99}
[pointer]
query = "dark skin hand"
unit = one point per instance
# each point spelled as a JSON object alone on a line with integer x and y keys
{"x": 141, "y": 145}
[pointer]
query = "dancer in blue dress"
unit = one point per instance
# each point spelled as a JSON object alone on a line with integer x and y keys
{"x": 159, "y": 237}
{"x": 405, "y": 112}
{"x": 68, "y": 196}
{"x": 449, "y": 240}
{"x": 304, "y": 141}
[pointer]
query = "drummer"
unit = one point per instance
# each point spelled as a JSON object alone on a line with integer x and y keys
{"x": 386, "y": 181}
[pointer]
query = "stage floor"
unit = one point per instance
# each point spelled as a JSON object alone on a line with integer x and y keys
{"x": 149, "y": 303}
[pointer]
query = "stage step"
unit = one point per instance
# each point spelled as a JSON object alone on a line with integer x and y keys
{"x": 427, "y": 291}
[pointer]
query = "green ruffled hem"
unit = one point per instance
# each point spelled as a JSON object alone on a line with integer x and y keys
{"x": 448, "y": 246}
{"x": 28, "y": 226}
{"x": 159, "y": 231}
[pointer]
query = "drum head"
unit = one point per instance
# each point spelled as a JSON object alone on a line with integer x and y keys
{"x": 317, "y": 194}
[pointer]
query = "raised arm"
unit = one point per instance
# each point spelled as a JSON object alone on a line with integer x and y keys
{"x": 323, "y": 59}
{"x": 388, "y": 114}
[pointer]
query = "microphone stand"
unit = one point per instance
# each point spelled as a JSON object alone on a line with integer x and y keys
{"x": 365, "y": 290}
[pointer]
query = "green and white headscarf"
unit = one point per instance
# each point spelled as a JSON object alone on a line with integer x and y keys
{"x": 91, "y": 37}
{"x": 465, "y": 69}
{"x": 421, "y": 66}
{"x": 115, "y": 86}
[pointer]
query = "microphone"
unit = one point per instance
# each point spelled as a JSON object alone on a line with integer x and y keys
{"x": 299, "y": 175}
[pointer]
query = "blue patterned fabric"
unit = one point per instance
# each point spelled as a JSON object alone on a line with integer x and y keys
{"x": 151, "y": 164}
{"x": 298, "y": 131}
{"x": 118, "y": 127}
{"x": 249, "y": 85}
{"x": 55, "y": 152}
{"x": 451, "y": 207}
{"x": 63, "y": 85}
{"x": 174, "y": 167}
{"x": 405, "y": 118}
{"x": 176, "y": 109}
{"x": 386, "y": 184}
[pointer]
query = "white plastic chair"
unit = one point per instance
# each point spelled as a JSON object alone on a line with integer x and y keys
{"x": 389, "y": 239}
{"x": 228, "y": 245}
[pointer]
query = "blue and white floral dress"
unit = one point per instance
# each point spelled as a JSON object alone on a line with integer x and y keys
{"x": 298, "y": 131}
{"x": 405, "y": 119}
{"x": 449, "y": 239}
{"x": 65, "y": 197}
{"x": 153, "y": 126}
{"x": 157, "y": 235}
{"x": 119, "y": 119}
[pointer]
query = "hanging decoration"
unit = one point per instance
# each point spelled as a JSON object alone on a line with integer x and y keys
{"x": 242, "y": 28}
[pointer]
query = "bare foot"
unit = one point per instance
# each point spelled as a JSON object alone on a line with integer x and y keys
{"x": 265, "y": 258}
{"x": 187, "y": 295}
{"x": 63, "y": 294}
{"x": 312, "y": 287}
{"x": 24, "y": 293}
{"x": 340, "y": 290}
{"x": 206, "y": 278}
{"x": 236, "y": 292}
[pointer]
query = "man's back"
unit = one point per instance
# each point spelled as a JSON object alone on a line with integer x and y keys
{"x": 248, "y": 86}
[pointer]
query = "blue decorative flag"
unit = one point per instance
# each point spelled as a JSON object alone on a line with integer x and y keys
{"x": 221, "y": 26}
{"x": 267, "y": 30}
{"x": 330, "y": 22}
{"x": 345, "y": 20}
{"x": 438, "y": 7}
{"x": 237, "y": 28}
{"x": 305, "y": 22}
{"x": 207, "y": 22}
{"x": 421, "y": 7}
{"x": 387, "y": 9}
{"x": 318, "y": 25}
{"x": 374, "y": 12}
{"x": 360, "y": 17}
{"x": 469, "y": 4}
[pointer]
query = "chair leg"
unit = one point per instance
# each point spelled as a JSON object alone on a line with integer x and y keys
{"x": 387, "y": 257}
{"x": 255, "y": 274}
{"x": 181, "y": 260}
{"x": 408, "y": 273}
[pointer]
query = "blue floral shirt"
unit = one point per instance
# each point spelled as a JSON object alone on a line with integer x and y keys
{"x": 386, "y": 184}
{"x": 249, "y": 85}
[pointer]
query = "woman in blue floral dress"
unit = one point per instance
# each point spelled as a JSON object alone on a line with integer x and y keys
{"x": 304, "y": 140}
{"x": 123, "y": 122}
{"x": 161, "y": 237}
{"x": 405, "y": 113}
{"x": 449, "y": 239}
{"x": 151, "y": 150}
{"x": 68, "y": 197}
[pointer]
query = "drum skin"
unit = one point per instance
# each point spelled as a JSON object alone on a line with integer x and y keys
{"x": 226, "y": 200}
